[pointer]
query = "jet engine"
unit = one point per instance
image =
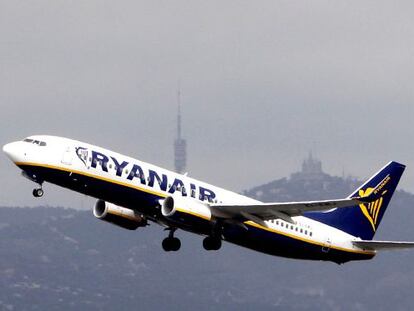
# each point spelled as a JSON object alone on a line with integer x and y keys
{"x": 171, "y": 206}
{"x": 119, "y": 216}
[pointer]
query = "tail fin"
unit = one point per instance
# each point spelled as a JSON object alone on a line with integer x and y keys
{"x": 363, "y": 220}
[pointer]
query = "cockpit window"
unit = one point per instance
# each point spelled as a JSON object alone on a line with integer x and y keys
{"x": 35, "y": 142}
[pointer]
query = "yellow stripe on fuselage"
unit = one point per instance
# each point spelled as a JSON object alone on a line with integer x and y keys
{"x": 110, "y": 180}
{"x": 160, "y": 194}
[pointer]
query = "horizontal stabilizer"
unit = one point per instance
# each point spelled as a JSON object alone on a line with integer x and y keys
{"x": 382, "y": 245}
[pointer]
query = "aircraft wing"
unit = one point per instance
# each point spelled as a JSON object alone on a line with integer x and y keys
{"x": 383, "y": 245}
{"x": 264, "y": 211}
{"x": 260, "y": 212}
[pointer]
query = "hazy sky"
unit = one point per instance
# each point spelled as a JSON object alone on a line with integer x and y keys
{"x": 263, "y": 82}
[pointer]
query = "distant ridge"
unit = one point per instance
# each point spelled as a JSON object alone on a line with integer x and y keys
{"x": 310, "y": 183}
{"x": 65, "y": 259}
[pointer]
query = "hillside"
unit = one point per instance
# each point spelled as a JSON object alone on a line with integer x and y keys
{"x": 64, "y": 259}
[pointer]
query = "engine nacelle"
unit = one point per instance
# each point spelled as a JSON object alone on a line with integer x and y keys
{"x": 168, "y": 207}
{"x": 117, "y": 215}
{"x": 171, "y": 205}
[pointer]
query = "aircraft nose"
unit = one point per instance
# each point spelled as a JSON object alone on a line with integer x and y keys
{"x": 10, "y": 150}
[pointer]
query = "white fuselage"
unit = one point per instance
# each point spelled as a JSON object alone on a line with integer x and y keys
{"x": 88, "y": 163}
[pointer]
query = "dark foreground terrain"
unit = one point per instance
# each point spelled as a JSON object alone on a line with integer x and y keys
{"x": 64, "y": 259}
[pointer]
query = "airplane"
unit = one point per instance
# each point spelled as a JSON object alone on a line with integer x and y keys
{"x": 131, "y": 193}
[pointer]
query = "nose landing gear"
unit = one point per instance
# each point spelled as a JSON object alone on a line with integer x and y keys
{"x": 38, "y": 192}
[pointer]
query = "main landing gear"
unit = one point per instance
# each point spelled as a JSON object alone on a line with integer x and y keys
{"x": 38, "y": 192}
{"x": 212, "y": 243}
{"x": 171, "y": 243}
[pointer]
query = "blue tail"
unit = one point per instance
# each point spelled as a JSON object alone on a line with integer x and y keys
{"x": 363, "y": 220}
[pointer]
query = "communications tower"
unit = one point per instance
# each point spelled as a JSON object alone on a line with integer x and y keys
{"x": 180, "y": 144}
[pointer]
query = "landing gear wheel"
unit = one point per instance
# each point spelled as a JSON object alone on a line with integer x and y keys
{"x": 171, "y": 244}
{"x": 175, "y": 244}
{"x": 211, "y": 243}
{"x": 166, "y": 244}
{"x": 37, "y": 193}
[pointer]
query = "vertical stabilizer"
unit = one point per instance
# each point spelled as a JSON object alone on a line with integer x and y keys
{"x": 363, "y": 220}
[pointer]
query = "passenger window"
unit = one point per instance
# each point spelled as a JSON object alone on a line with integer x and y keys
{"x": 310, "y": 233}
{"x": 306, "y": 232}
{"x": 301, "y": 231}
{"x": 291, "y": 227}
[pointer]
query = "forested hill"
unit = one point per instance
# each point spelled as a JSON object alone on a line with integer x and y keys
{"x": 65, "y": 259}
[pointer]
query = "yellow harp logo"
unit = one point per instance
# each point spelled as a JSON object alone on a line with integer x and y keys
{"x": 371, "y": 210}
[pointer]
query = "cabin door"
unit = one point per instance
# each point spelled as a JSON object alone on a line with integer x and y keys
{"x": 67, "y": 156}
